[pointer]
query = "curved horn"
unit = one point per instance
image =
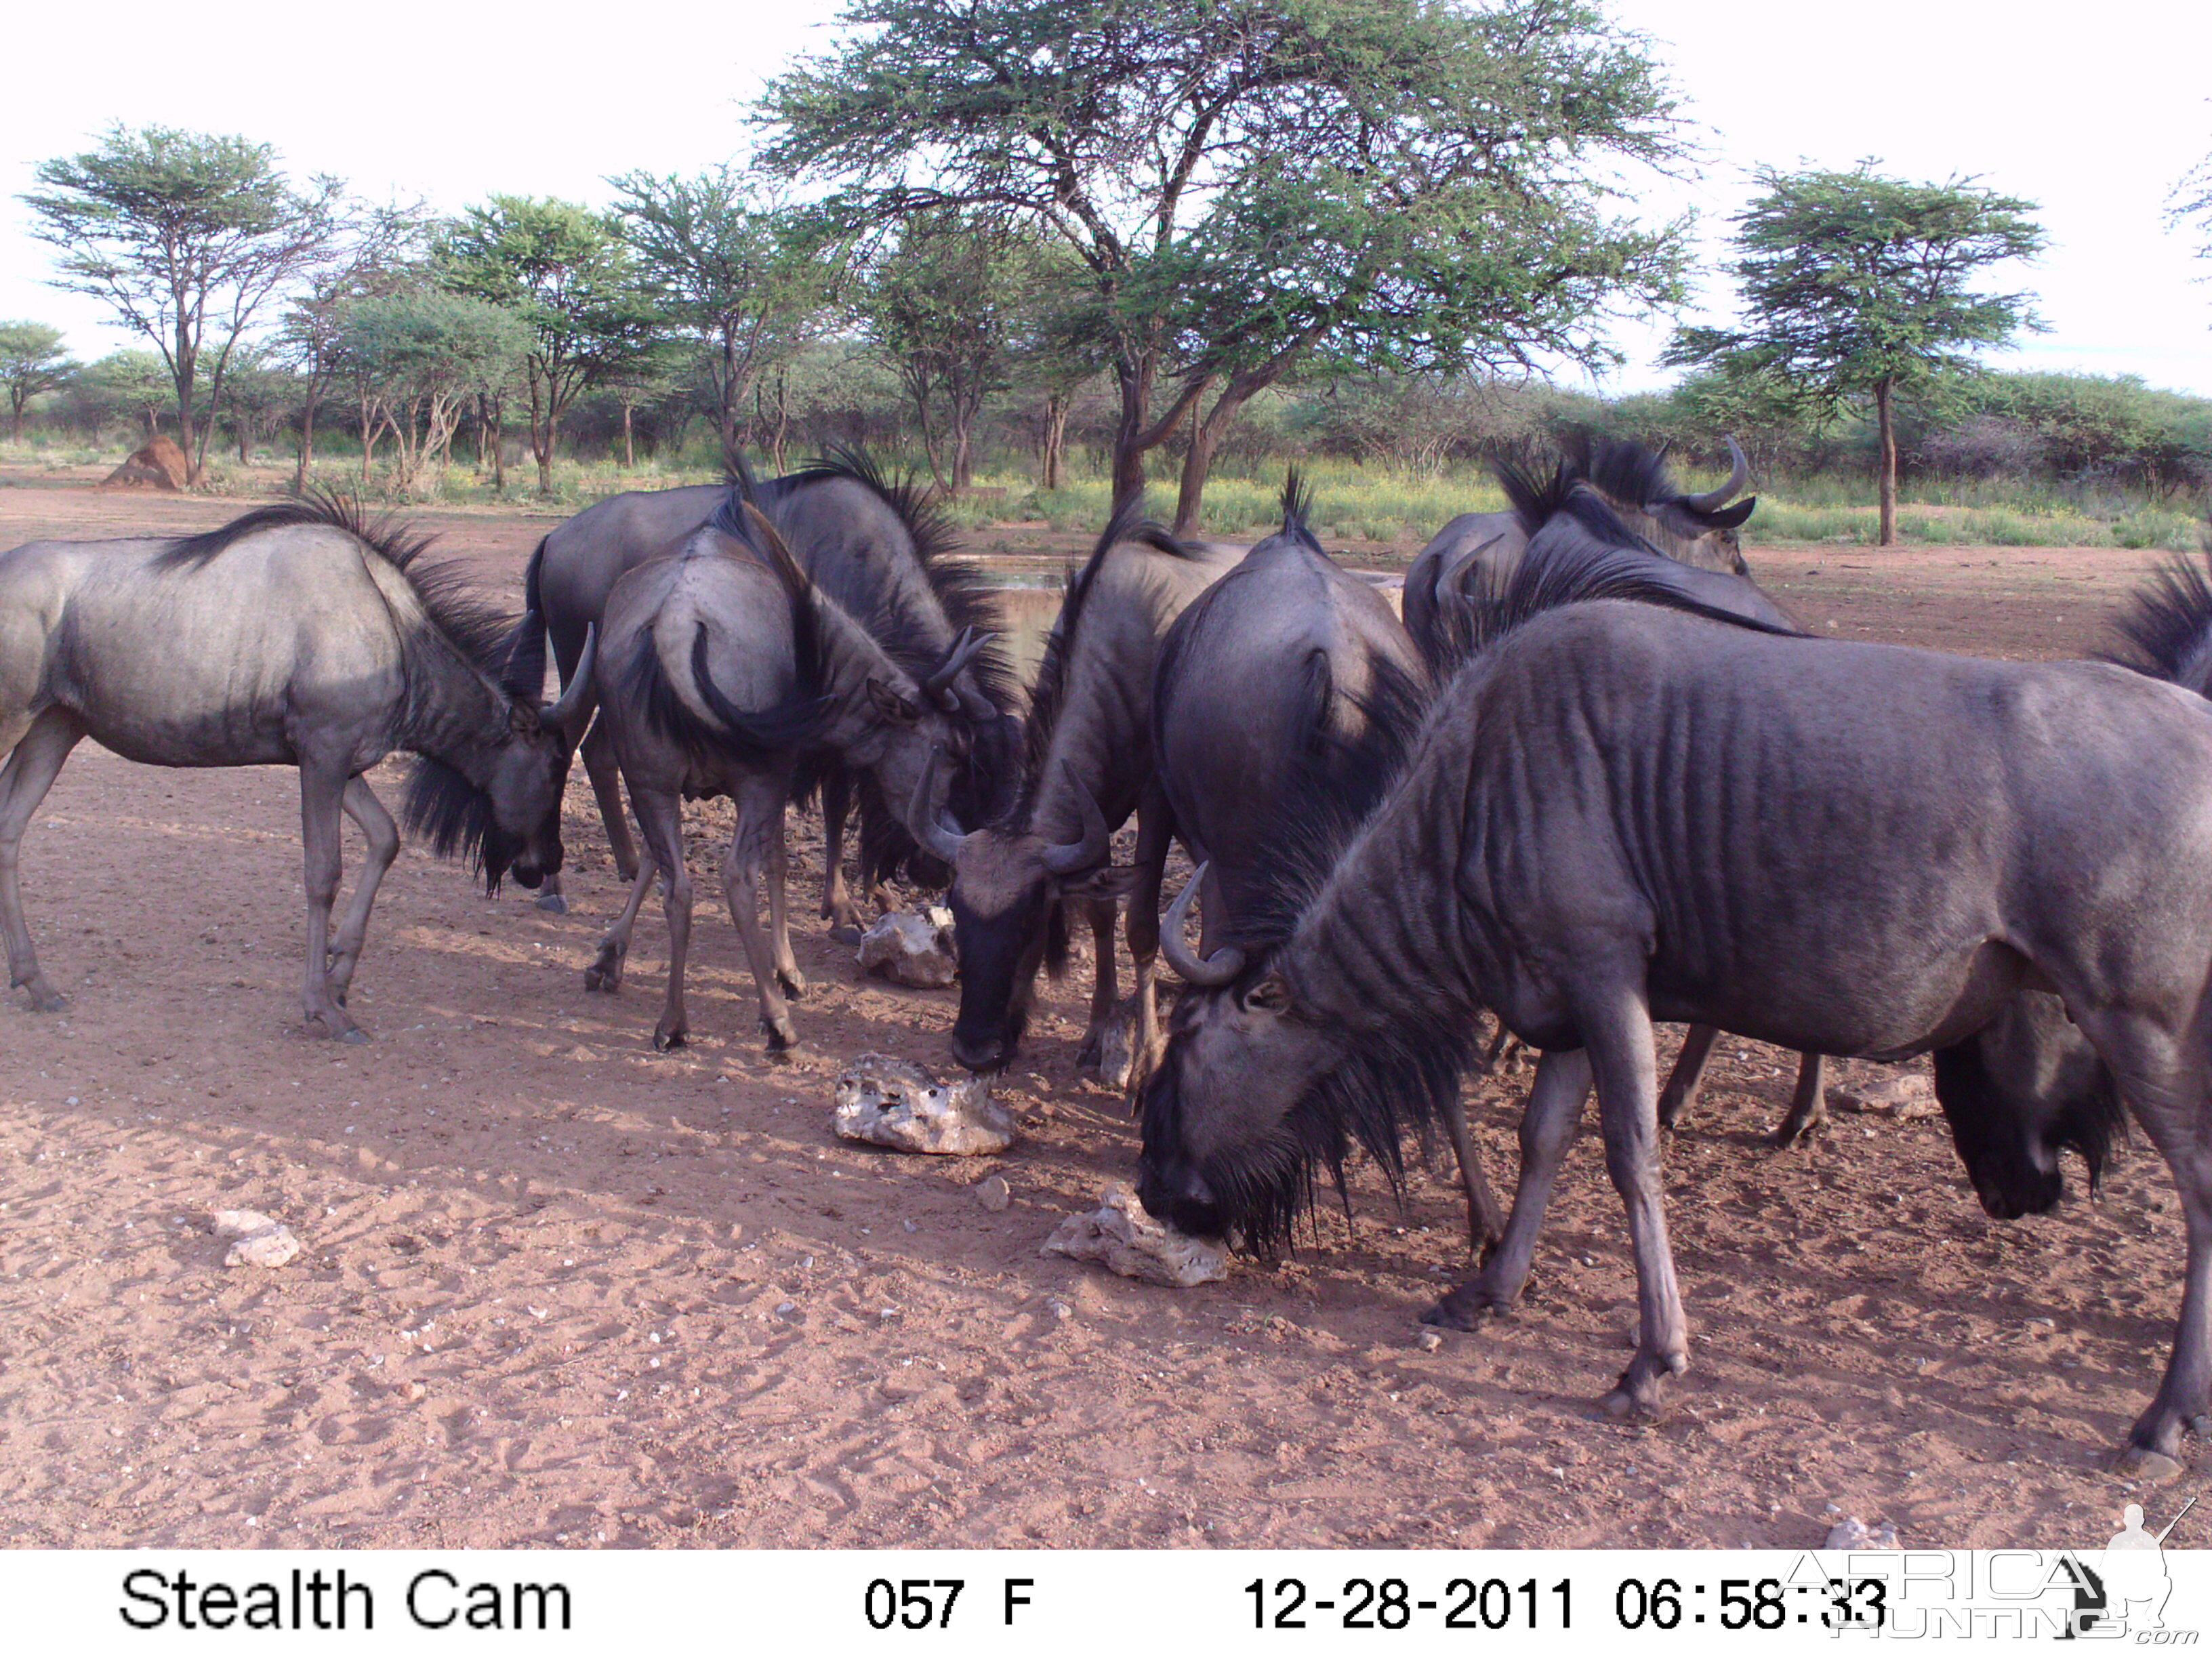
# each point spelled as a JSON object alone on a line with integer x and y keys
{"x": 921, "y": 818}
{"x": 1068, "y": 857}
{"x": 1739, "y": 475}
{"x": 958, "y": 657}
{"x": 1220, "y": 969}
{"x": 578, "y": 692}
{"x": 1457, "y": 565}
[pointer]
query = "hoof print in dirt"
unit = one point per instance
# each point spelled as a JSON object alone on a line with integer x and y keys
{"x": 894, "y": 1103}
{"x": 912, "y": 947}
{"x": 259, "y": 1242}
{"x": 1123, "y": 1237}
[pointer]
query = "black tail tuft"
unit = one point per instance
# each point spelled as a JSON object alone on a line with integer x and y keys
{"x": 2167, "y": 627}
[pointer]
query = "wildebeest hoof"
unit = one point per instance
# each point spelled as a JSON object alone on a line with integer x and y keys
{"x": 664, "y": 1041}
{"x": 780, "y": 1034}
{"x": 1622, "y": 1405}
{"x": 605, "y": 973}
{"x": 794, "y": 983}
{"x": 353, "y": 1034}
{"x": 2141, "y": 1463}
{"x": 553, "y": 902}
{"x": 1464, "y": 1310}
{"x": 48, "y": 1002}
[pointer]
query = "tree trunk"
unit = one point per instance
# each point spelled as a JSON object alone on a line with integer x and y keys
{"x": 307, "y": 445}
{"x": 1055, "y": 437}
{"x": 367, "y": 441}
{"x": 1205, "y": 436}
{"x": 1887, "y": 483}
{"x": 629, "y": 451}
{"x": 15, "y": 420}
{"x": 244, "y": 426}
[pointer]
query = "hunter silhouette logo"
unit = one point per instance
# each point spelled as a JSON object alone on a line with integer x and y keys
{"x": 2126, "y": 1592}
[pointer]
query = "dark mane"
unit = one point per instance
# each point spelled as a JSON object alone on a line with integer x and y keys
{"x": 1624, "y": 470}
{"x": 2167, "y": 630}
{"x": 1580, "y": 550}
{"x": 480, "y": 631}
{"x": 1298, "y": 508}
{"x": 1046, "y": 701}
{"x": 959, "y": 586}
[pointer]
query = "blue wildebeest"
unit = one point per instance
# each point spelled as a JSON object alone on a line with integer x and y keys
{"x": 723, "y": 667}
{"x": 872, "y": 544}
{"x": 1476, "y": 551}
{"x": 295, "y": 635}
{"x": 1286, "y": 685}
{"x": 1454, "y": 608}
{"x": 1618, "y": 812}
{"x": 1087, "y": 765}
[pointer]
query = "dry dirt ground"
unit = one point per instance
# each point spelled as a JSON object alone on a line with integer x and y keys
{"x": 560, "y": 1290}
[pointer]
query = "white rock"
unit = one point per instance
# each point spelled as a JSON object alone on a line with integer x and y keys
{"x": 1852, "y": 1534}
{"x": 894, "y": 1103}
{"x": 261, "y": 1242}
{"x": 912, "y": 947}
{"x": 1908, "y": 1095}
{"x": 1121, "y": 1236}
{"x": 993, "y": 1194}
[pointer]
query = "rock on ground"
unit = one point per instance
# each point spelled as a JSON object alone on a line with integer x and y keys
{"x": 1908, "y": 1094}
{"x": 894, "y": 1103}
{"x": 1849, "y": 1533}
{"x": 1125, "y": 1238}
{"x": 260, "y": 1241}
{"x": 912, "y": 947}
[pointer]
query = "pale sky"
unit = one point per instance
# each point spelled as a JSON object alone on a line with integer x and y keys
{"x": 2091, "y": 112}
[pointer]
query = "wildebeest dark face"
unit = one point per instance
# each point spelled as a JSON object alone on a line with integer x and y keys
{"x": 2018, "y": 1093}
{"x": 1005, "y": 901}
{"x": 1223, "y": 1148}
{"x": 522, "y": 828}
{"x": 1705, "y": 539}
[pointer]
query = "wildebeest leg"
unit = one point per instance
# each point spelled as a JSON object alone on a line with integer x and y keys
{"x": 759, "y": 825}
{"x": 1616, "y": 1027}
{"x": 1547, "y": 1129}
{"x": 660, "y": 818}
{"x": 322, "y": 788}
{"x": 1808, "y": 1105}
{"x": 30, "y": 772}
{"x": 361, "y": 805}
{"x": 1105, "y": 982}
{"x": 1486, "y": 1222}
{"x": 779, "y": 911}
{"x": 607, "y": 970}
{"x": 1155, "y": 834}
{"x": 837, "y": 907}
{"x": 599, "y": 766}
{"x": 1681, "y": 1090}
{"x": 2168, "y": 1084}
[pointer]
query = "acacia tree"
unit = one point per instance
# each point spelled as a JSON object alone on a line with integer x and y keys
{"x": 419, "y": 358}
{"x": 729, "y": 259}
{"x": 31, "y": 360}
{"x": 376, "y": 252}
{"x": 1856, "y": 288}
{"x": 947, "y": 304}
{"x": 1251, "y": 182}
{"x": 565, "y": 271}
{"x": 187, "y": 235}
{"x": 136, "y": 380}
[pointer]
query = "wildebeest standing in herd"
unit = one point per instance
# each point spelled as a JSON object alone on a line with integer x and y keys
{"x": 1287, "y": 685}
{"x": 1895, "y": 846}
{"x": 721, "y": 672}
{"x": 876, "y": 548}
{"x": 1702, "y": 563}
{"x": 295, "y": 636}
{"x": 1087, "y": 765}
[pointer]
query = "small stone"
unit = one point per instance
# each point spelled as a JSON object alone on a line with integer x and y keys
{"x": 1429, "y": 1342}
{"x": 413, "y": 1391}
{"x": 912, "y": 947}
{"x": 1908, "y": 1095}
{"x": 893, "y": 1103}
{"x": 1121, "y": 1236}
{"x": 1852, "y": 1534}
{"x": 261, "y": 1242}
{"x": 993, "y": 1194}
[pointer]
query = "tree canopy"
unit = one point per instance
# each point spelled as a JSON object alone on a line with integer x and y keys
{"x": 566, "y": 271}
{"x": 186, "y": 235}
{"x": 1252, "y": 183}
{"x": 33, "y": 359}
{"x": 1855, "y": 286}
